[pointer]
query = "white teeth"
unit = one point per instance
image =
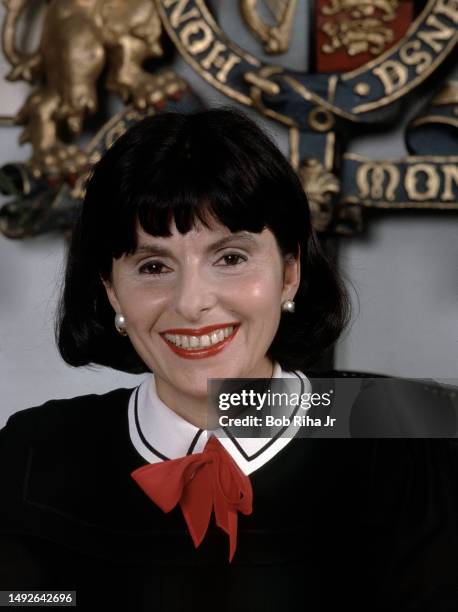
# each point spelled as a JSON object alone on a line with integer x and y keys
{"x": 200, "y": 341}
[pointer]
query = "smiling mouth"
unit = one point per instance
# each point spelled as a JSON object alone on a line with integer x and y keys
{"x": 202, "y": 344}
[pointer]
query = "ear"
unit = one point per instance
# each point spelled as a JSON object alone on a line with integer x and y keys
{"x": 111, "y": 295}
{"x": 291, "y": 276}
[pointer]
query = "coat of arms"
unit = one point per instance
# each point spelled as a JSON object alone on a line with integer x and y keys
{"x": 366, "y": 58}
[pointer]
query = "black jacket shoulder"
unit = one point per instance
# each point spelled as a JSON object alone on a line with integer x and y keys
{"x": 57, "y": 416}
{"x": 53, "y": 467}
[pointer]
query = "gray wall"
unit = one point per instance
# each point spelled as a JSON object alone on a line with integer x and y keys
{"x": 402, "y": 274}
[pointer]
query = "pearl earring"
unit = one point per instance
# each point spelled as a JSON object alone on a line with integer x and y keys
{"x": 288, "y": 306}
{"x": 120, "y": 324}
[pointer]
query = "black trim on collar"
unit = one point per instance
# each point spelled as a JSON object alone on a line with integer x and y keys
{"x": 140, "y": 433}
{"x": 271, "y": 441}
{"x": 225, "y": 429}
{"x": 194, "y": 442}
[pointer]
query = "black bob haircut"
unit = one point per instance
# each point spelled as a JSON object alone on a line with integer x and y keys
{"x": 213, "y": 164}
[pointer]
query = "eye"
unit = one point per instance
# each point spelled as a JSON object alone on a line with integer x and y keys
{"x": 232, "y": 259}
{"x": 154, "y": 268}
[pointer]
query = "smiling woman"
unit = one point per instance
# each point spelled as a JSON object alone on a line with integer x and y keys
{"x": 193, "y": 259}
{"x": 229, "y": 287}
{"x": 165, "y": 208}
{"x": 205, "y": 227}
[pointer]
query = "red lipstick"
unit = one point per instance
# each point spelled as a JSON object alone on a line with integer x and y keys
{"x": 200, "y": 353}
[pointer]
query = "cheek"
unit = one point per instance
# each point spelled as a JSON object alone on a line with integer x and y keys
{"x": 257, "y": 303}
{"x": 260, "y": 292}
{"x": 141, "y": 304}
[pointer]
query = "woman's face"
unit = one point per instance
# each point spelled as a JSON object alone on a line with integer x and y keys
{"x": 203, "y": 305}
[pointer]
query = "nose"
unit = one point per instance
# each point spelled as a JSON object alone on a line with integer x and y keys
{"x": 194, "y": 296}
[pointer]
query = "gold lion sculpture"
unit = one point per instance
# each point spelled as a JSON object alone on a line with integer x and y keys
{"x": 79, "y": 39}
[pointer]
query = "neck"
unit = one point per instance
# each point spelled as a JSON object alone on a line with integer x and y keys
{"x": 192, "y": 409}
{"x": 196, "y": 409}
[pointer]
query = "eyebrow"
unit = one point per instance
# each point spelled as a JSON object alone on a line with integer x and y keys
{"x": 153, "y": 249}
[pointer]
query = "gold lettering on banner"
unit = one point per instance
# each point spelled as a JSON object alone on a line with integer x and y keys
{"x": 448, "y": 8}
{"x": 377, "y": 181}
{"x": 216, "y": 58}
{"x": 450, "y": 178}
{"x": 432, "y": 182}
{"x": 199, "y": 40}
{"x": 431, "y": 37}
{"x": 194, "y": 28}
{"x": 411, "y": 55}
{"x": 178, "y": 15}
{"x": 392, "y": 74}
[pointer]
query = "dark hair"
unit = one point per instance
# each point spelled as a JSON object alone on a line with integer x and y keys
{"x": 188, "y": 168}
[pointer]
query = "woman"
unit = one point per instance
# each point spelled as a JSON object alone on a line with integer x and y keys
{"x": 194, "y": 259}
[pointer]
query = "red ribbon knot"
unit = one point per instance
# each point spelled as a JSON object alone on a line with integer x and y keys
{"x": 200, "y": 483}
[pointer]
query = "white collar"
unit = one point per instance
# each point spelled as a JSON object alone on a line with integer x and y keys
{"x": 158, "y": 433}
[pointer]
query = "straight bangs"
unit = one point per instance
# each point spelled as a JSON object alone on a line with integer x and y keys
{"x": 204, "y": 177}
{"x": 188, "y": 206}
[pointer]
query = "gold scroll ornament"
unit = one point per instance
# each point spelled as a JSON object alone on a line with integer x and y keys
{"x": 78, "y": 39}
{"x": 276, "y": 38}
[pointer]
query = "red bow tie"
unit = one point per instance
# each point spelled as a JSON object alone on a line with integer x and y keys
{"x": 200, "y": 482}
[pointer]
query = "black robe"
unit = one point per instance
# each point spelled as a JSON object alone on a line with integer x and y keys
{"x": 360, "y": 523}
